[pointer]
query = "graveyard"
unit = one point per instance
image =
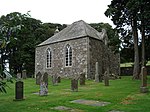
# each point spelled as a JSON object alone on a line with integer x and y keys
{"x": 77, "y": 65}
{"x": 121, "y": 95}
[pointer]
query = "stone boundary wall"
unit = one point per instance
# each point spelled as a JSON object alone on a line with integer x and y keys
{"x": 128, "y": 71}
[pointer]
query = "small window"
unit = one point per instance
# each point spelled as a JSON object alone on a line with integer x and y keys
{"x": 48, "y": 58}
{"x": 68, "y": 55}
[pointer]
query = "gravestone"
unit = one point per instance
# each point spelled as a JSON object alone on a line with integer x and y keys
{"x": 96, "y": 73}
{"x": 19, "y": 90}
{"x": 43, "y": 85}
{"x": 74, "y": 85}
{"x": 38, "y": 78}
{"x": 143, "y": 88}
{"x": 45, "y": 79}
{"x": 24, "y": 74}
{"x": 82, "y": 79}
{"x": 43, "y": 89}
{"x": 106, "y": 77}
{"x": 54, "y": 80}
{"x": 19, "y": 76}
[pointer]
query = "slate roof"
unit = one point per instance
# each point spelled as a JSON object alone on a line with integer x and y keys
{"x": 75, "y": 30}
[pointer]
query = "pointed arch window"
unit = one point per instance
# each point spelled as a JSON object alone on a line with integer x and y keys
{"x": 48, "y": 58}
{"x": 68, "y": 55}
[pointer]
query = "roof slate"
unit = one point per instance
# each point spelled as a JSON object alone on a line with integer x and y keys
{"x": 75, "y": 30}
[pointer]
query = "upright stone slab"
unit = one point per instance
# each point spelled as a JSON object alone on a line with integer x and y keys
{"x": 45, "y": 79}
{"x": 82, "y": 79}
{"x": 43, "y": 89}
{"x": 24, "y": 74}
{"x": 19, "y": 76}
{"x": 54, "y": 80}
{"x": 96, "y": 73}
{"x": 19, "y": 90}
{"x": 106, "y": 77}
{"x": 43, "y": 85}
{"x": 143, "y": 88}
{"x": 74, "y": 85}
{"x": 38, "y": 78}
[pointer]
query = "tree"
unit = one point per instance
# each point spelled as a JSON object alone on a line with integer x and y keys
{"x": 126, "y": 14}
{"x": 3, "y": 72}
{"x": 25, "y": 34}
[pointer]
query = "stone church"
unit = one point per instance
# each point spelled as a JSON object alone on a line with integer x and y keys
{"x": 74, "y": 51}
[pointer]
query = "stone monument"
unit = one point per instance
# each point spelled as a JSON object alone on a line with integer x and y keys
{"x": 74, "y": 85}
{"x": 43, "y": 89}
{"x": 19, "y": 90}
{"x": 19, "y": 76}
{"x": 38, "y": 78}
{"x": 143, "y": 88}
{"x": 82, "y": 79}
{"x": 24, "y": 74}
{"x": 106, "y": 77}
{"x": 43, "y": 85}
{"x": 96, "y": 73}
{"x": 54, "y": 80}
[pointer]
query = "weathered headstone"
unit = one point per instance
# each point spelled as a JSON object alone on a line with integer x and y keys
{"x": 74, "y": 85}
{"x": 82, "y": 79}
{"x": 43, "y": 89}
{"x": 19, "y": 76}
{"x": 143, "y": 88}
{"x": 24, "y": 74}
{"x": 19, "y": 90}
{"x": 45, "y": 79}
{"x": 38, "y": 78}
{"x": 96, "y": 73}
{"x": 54, "y": 80}
{"x": 106, "y": 77}
{"x": 44, "y": 85}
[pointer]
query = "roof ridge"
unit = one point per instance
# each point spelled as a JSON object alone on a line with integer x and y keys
{"x": 73, "y": 31}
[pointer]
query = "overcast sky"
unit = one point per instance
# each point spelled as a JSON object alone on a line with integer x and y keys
{"x": 59, "y": 11}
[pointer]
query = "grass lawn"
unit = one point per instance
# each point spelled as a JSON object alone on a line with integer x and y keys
{"x": 123, "y": 94}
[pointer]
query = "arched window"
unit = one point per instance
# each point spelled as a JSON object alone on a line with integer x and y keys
{"x": 68, "y": 55}
{"x": 48, "y": 58}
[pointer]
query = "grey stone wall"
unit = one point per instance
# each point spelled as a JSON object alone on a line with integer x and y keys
{"x": 112, "y": 61}
{"x": 79, "y": 58}
{"x": 98, "y": 52}
{"x": 95, "y": 55}
{"x": 86, "y": 52}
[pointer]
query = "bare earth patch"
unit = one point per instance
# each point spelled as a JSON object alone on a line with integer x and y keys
{"x": 68, "y": 109}
{"x": 90, "y": 102}
{"x": 128, "y": 100}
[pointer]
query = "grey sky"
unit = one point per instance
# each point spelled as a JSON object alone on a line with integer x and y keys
{"x": 59, "y": 11}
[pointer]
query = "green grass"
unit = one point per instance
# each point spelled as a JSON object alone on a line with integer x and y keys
{"x": 122, "y": 93}
{"x": 148, "y": 63}
{"x": 126, "y": 64}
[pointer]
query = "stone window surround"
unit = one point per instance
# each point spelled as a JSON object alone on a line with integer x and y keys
{"x": 68, "y": 49}
{"x": 50, "y": 58}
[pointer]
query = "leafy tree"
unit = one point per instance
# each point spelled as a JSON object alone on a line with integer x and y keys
{"x": 22, "y": 33}
{"x": 128, "y": 15}
{"x": 3, "y": 72}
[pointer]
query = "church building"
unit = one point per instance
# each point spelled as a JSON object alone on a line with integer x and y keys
{"x": 74, "y": 51}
